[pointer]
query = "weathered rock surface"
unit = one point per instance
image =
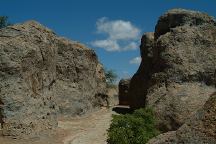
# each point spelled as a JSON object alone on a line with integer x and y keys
{"x": 180, "y": 64}
{"x": 199, "y": 129}
{"x": 81, "y": 81}
{"x": 124, "y": 85}
{"x": 41, "y": 75}
{"x": 112, "y": 94}
{"x": 27, "y": 79}
{"x": 139, "y": 82}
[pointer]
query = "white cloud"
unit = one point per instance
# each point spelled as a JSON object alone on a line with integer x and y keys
{"x": 109, "y": 45}
{"x": 131, "y": 46}
{"x": 117, "y": 29}
{"x": 136, "y": 60}
{"x": 121, "y": 35}
{"x": 113, "y": 45}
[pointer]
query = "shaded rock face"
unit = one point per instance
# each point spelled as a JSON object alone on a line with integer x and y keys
{"x": 124, "y": 85}
{"x": 42, "y": 75}
{"x": 27, "y": 79}
{"x": 139, "y": 82}
{"x": 81, "y": 81}
{"x": 182, "y": 75}
{"x": 199, "y": 129}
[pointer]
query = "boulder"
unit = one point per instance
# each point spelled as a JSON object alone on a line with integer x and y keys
{"x": 199, "y": 129}
{"x": 179, "y": 74}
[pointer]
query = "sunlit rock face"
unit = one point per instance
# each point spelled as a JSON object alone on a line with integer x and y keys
{"x": 81, "y": 83}
{"x": 43, "y": 76}
{"x": 28, "y": 54}
{"x": 177, "y": 72}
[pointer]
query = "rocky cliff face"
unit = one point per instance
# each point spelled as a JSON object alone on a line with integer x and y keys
{"x": 41, "y": 75}
{"x": 27, "y": 79}
{"x": 81, "y": 81}
{"x": 177, "y": 73}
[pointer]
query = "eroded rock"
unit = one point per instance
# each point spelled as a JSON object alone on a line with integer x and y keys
{"x": 41, "y": 75}
{"x": 139, "y": 82}
{"x": 81, "y": 81}
{"x": 179, "y": 73}
{"x": 199, "y": 129}
{"x": 27, "y": 79}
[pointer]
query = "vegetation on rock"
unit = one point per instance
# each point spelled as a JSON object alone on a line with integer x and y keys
{"x": 135, "y": 128}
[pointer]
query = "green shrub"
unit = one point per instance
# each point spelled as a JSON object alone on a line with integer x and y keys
{"x": 135, "y": 128}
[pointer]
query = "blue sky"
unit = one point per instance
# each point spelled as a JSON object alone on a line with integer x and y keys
{"x": 115, "y": 25}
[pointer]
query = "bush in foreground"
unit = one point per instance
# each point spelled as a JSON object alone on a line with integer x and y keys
{"x": 135, "y": 128}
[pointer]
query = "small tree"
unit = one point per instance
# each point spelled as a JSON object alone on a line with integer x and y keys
{"x": 3, "y": 21}
{"x": 111, "y": 76}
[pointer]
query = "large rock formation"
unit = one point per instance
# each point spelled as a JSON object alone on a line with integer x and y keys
{"x": 139, "y": 82}
{"x": 179, "y": 71}
{"x": 41, "y": 73}
{"x": 27, "y": 79}
{"x": 199, "y": 129}
{"x": 81, "y": 80}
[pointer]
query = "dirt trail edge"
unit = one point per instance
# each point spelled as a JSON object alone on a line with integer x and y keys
{"x": 88, "y": 130}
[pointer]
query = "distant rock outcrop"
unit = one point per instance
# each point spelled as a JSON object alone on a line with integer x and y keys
{"x": 112, "y": 94}
{"x": 177, "y": 73}
{"x": 123, "y": 87}
{"x": 41, "y": 75}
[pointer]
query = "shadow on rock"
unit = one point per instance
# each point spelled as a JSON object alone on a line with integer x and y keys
{"x": 123, "y": 110}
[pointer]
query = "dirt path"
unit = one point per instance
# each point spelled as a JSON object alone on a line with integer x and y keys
{"x": 88, "y": 130}
{"x": 82, "y": 130}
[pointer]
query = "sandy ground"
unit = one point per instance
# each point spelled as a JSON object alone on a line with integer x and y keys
{"x": 89, "y": 130}
{"x": 82, "y": 130}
